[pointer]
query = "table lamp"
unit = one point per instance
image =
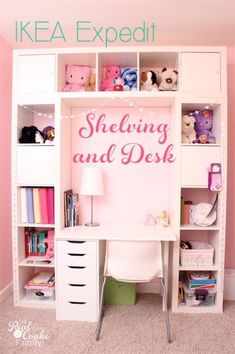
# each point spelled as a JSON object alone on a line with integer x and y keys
{"x": 92, "y": 185}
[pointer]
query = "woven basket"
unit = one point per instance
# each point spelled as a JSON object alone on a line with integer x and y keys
{"x": 201, "y": 254}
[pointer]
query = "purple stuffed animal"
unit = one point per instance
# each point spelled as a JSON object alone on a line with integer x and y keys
{"x": 203, "y": 126}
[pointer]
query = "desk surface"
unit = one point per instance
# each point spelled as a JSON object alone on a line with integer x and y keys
{"x": 128, "y": 232}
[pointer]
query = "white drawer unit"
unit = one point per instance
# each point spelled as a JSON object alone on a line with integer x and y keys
{"x": 35, "y": 165}
{"x": 77, "y": 280}
{"x": 36, "y": 73}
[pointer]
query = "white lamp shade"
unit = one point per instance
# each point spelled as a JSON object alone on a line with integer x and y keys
{"x": 92, "y": 181}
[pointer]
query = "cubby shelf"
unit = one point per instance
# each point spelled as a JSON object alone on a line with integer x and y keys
{"x": 36, "y": 262}
{"x": 188, "y": 176}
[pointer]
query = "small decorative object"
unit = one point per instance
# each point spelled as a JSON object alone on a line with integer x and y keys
{"x": 118, "y": 84}
{"x": 76, "y": 77}
{"x": 92, "y": 185}
{"x": 49, "y": 241}
{"x": 188, "y": 131}
{"x": 112, "y": 72}
{"x": 148, "y": 81}
{"x": 203, "y": 215}
{"x": 163, "y": 219}
{"x": 30, "y": 135}
{"x": 168, "y": 79}
{"x": 203, "y": 126}
{"x": 48, "y": 134}
{"x": 91, "y": 84}
{"x": 150, "y": 220}
{"x": 215, "y": 179}
{"x": 129, "y": 76}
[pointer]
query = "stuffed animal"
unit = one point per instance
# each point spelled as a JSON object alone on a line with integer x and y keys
{"x": 91, "y": 84}
{"x": 203, "y": 126}
{"x": 112, "y": 72}
{"x": 48, "y": 134}
{"x": 118, "y": 84}
{"x": 31, "y": 135}
{"x": 188, "y": 131}
{"x": 148, "y": 81}
{"x": 77, "y": 77}
{"x": 130, "y": 79}
{"x": 168, "y": 79}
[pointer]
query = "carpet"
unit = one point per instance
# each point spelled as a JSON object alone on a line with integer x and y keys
{"x": 138, "y": 329}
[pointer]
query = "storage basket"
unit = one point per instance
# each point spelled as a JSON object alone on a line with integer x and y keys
{"x": 201, "y": 254}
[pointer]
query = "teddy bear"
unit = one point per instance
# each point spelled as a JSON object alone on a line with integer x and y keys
{"x": 148, "y": 81}
{"x": 91, "y": 84}
{"x": 130, "y": 79}
{"x": 168, "y": 79}
{"x": 112, "y": 72}
{"x": 48, "y": 134}
{"x": 76, "y": 77}
{"x": 203, "y": 126}
{"x": 31, "y": 135}
{"x": 118, "y": 84}
{"x": 188, "y": 131}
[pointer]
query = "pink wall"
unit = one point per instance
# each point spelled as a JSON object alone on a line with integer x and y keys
{"x": 5, "y": 163}
{"x": 230, "y": 243}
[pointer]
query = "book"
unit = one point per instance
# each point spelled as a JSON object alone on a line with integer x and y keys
{"x": 200, "y": 281}
{"x": 67, "y": 194}
{"x": 36, "y": 206}
{"x": 30, "y": 210}
{"x": 43, "y": 279}
{"x": 23, "y": 205}
{"x": 50, "y": 205}
{"x": 43, "y": 205}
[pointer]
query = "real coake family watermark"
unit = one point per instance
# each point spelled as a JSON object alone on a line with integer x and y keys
{"x": 26, "y": 334}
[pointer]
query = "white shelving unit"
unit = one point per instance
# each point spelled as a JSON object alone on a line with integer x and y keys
{"x": 38, "y": 85}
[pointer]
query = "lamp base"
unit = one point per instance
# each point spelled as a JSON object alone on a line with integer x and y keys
{"x": 92, "y": 224}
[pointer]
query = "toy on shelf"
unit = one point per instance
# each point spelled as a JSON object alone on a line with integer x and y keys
{"x": 76, "y": 77}
{"x": 163, "y": 219}
{"x": 118, "y": 84}
{"x": 150, "y": 220}
{"x": 129, "y": 76}
{"x": 31, "y": 135}
{"x": 91, "y": 84}
{"x": 188, "y": 132}
{"x": 148, "y": 81}
{"x": 49, "y": 241}
{"x": 48, "y": 134}
{"x": 203, "y": 126}
{"x": 112, "y": 72}
{"x": 168, "y": 78}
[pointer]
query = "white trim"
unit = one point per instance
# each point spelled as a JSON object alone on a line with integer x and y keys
{"x": 6, "y": 292}
{"x": 229, "y": 284}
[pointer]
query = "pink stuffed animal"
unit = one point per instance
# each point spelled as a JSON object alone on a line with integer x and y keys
{"x": 77, "y": 77}
{"x": 112, "y": 72}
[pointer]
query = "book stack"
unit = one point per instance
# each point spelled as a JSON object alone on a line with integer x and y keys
{"x": 202, "y": 279}
{"x": 37, "y": 205}
{"x": 71, "y": 208}
{"x": 41, "y": 286}
{"x": 42, "y": 279}
{"x": 35, "y": 244}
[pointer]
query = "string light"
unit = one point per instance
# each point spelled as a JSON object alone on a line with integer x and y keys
{"x": 104, "y": 104}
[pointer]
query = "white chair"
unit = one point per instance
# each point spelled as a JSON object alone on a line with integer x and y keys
{"x": 136, "y": 262}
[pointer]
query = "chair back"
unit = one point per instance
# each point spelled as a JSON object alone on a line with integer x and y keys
{"x": 133, "y": 261}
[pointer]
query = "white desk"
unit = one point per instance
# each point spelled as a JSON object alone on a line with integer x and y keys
{"x": 128, "y": 232}
{"x": 79, "y": 257}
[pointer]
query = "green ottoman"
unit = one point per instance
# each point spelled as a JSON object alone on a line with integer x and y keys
{"x": 119, "y": 293}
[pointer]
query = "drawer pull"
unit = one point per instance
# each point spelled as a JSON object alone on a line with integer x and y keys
{"x": 77, "y": 285}
{"x": 77, "y": 254}
{"x": 77, "y": 267}
{"x": 77, "y": 302}
{"x": 76, "y": 241}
